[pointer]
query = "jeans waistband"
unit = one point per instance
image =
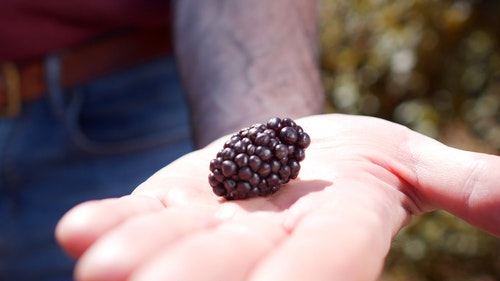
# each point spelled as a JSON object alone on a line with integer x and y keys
{"x": 27, "y": 81}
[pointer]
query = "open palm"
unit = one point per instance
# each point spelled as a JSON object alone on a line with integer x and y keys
{"x": 362, "y": 180}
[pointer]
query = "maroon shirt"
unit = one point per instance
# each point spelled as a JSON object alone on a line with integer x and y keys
{"x": 29, "y": 29}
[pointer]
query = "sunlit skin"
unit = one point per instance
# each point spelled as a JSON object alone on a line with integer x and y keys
{"x": 362, "y": 180}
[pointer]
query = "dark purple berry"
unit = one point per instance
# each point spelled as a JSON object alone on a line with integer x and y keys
{"x": 212, "y": 181}
{"x": 251, "y": 149}
{"x": 246, "y": 141}
{"x": 303, "y": 140}
{"x": 289, "y": 135}
{"x": 273, "y": 180}
{"x": 274, "y": 189}
{"x": 215, "y": 163}
{"x": 270, "y": 132}
{"x": 288, "y": 122}
{"x": 274, "y": 124}
{"x": 231, "y": 141}
{"x": 257, "y": 160}
{"x": 227, "y": 153}
{"x": 275, "y": 166}
{"x": 262, "y": 139}
{"x": 284, "y": 173}
{"x": 273, "y": 143}
{"x": 264, "y": 153}
{"x": 284, "y": 161}
{"x": 264, "y": 170}
{"x": 263, "y": 187}
{"x": 219, "y": 190}
{"x": 218, "y": 175}
{"x": 254, "y": 162}
{"x": 239, "y": 147}
{"x": 254, "y": 180}
{"x": 241, "y": 160}
{"x": 245, "y": 174}
{"x": 299, "y": 154}
{"x": 280, "y": 151}
{"x": 252, "y": 133}
{"x": 230, "y": 185}
{"x": 254, "y": 192}
{"x": 294, "y": 168}
{"x": 242, "y": 189}
{"x": 229, "y": 168}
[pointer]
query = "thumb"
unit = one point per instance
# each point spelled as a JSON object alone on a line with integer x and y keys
{"x": 464, "y": 183}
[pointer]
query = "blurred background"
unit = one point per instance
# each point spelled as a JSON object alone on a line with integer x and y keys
{"x": 434, "y": 66}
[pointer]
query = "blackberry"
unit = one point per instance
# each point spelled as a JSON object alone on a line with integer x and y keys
{"x": 257, "y": 160}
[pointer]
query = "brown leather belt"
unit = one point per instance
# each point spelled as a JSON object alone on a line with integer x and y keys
{"x": 25, "y": 82}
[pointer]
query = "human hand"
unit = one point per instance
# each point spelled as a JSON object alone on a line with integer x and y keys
{"x": 362, "y": 180}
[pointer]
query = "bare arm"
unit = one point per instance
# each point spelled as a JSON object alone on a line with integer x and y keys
{"x": 243, "y": 62}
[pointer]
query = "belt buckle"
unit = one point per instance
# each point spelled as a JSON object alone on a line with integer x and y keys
{"x": 9, "y": 75}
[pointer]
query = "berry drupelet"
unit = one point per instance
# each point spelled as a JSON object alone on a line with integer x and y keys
{"x": 257, "y": 160}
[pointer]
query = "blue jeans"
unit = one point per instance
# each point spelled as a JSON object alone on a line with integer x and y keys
{"x": 98, "y": 140}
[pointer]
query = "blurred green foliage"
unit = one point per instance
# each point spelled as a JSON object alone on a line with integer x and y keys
{"x": 434, "y": 66}
{"x": 438, "y": 246}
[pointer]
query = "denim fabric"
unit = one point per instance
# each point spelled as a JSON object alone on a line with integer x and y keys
{"x": 96, "y": 141}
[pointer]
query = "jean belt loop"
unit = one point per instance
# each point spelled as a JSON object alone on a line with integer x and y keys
{"x": 53, "y": 82}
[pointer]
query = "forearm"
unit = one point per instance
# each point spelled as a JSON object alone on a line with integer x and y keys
{"x": 245, "y": 61}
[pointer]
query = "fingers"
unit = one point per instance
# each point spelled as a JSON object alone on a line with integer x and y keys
{"x": 342, "y": 240}
{"x": 132, "y": 243}
{"x": 464, "y": 183}
{"x": 175, "y": 244}
{"x": 325, "y": 248}
{"x": 83, "y": 224}
{"x": 227, "y": 252}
